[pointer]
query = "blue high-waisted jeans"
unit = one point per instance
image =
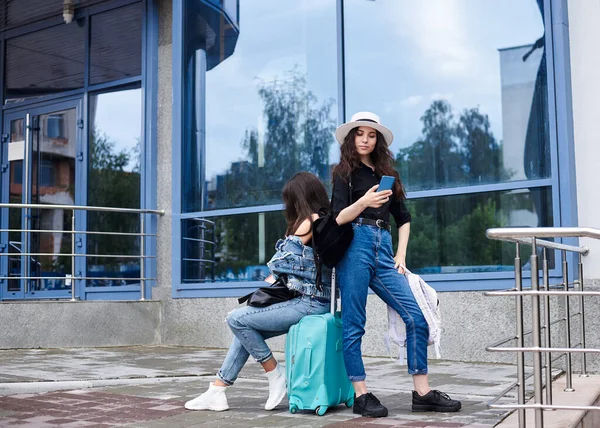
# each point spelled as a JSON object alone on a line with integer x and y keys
{"x": 369, "y": 262}
{"x": 251, "y": 326}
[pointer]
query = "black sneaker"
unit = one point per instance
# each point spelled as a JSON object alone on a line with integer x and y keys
{"x": 369, "y": 406}
{"x": 434, "y": 401}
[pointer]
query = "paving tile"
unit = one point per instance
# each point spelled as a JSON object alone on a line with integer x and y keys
{"x": 156, "y": 381}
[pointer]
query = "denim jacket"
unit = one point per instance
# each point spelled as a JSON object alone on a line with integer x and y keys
{"x": 296, "y": 260}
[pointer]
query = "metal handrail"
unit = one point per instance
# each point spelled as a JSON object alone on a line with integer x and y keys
{"x": 79, "y": 232}
{"x": 201, "y": 246}
{"x": 84, "y": 208}
{"x": 540, "y": 297}
{"x": 545, "y": 244}
{"x": 107, "y": 278}
{"x": 541, "y": 293}
{"x": 73, "y": 254}
{"x": 542, "y": 232}
{"x": 115, "y": 256}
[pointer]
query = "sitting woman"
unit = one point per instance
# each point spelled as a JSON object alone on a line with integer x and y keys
{"x": 303, "y": 195}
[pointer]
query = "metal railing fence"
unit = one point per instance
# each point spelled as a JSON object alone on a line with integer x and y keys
{"x": 544, "y": 354}
{"x": 26, "y": 230}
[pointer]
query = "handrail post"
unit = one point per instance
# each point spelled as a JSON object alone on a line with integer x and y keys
{"x": 520, "y": 338}
{"x": 547, "y": 335}
{"x": 582, "y": 319}
{"x": 536, "y": 336}
{"x": 26, "y": 197}
{"x": 142, "y": 259}
{"x": 73, "y": 256}
{"x": 569, "y": 370}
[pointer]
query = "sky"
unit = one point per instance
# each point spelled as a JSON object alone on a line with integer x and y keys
{"x": 119, "y": 116}
{"x": 399, "y": 56}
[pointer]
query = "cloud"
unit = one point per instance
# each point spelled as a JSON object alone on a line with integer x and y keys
{"x": 441, "y": 96}
{"x": 411, "y": 101}
{"x": 438, "y": 30}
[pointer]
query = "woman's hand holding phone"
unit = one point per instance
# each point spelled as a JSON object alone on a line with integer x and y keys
{"x": 374, "y": 199}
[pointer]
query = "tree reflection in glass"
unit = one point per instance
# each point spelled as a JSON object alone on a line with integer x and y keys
{"x": 114, "y": 181}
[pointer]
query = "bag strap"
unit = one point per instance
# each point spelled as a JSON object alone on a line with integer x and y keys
{"x": 350, "y": 189}
{"x": 318, "y": 261}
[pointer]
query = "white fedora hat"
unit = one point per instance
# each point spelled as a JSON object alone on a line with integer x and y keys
{"x": 363, "y": 118}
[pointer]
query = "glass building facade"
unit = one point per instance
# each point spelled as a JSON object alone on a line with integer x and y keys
{"x": 464, "y": 86}
{"x": 473, "y": 92}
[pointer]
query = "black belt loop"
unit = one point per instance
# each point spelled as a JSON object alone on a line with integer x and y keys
{"x": 370, "y": 222}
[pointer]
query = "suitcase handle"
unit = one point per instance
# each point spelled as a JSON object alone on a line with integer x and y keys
{"x": 333, "y": 298}
{"x": 307, "y": 361}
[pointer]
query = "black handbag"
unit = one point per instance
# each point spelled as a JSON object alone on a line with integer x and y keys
{"x": 266, "y": 296}
{"x": 330, "y": 240}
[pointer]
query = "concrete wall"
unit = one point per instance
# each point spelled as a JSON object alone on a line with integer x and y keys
{"x": 471, "y": 321}
{"x": 584, "y": 34}
{"x": 165, "y": 168}
{"x": 47, "y": 324}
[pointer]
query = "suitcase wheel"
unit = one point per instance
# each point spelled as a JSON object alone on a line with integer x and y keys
{"x": 293, "y": 409}
{"x": 321, "y": 410}
{"x": 350, "y": 402}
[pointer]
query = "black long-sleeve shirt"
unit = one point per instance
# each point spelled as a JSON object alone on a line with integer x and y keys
{"x": 363, "y": 179}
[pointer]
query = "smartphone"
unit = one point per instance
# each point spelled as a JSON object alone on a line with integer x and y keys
{"x": 386, "y": 183}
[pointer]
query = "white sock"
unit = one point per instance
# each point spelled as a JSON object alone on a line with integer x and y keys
{"x": 277, "y": 387}
{"x": 213, "y": 399}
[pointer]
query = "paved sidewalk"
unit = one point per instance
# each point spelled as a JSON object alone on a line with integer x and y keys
{"x": 147, "y": 386}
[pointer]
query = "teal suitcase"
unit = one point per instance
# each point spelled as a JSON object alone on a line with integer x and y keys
{"x": 315, "y": 370}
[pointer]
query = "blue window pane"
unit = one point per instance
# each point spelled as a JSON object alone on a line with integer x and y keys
{"x": 463, "y": 86}
{"x": 17, "y": 172}
{"x": 52, "y": 182}
{"x": 448, "y": 233}
{"x": 55, "y": 126}
{"x": 114, "y": 181}
{"x": 47, "y": 173}
{"x": 54, "y": 59}
{"x": 231, "y": 7}
{"x": 229, "y": 248}
{"x": 260, "y": 104}
{"x": 116, "y": 44}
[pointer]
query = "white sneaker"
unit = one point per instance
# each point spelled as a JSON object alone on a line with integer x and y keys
{"x": 277, "y": 388}
{"x": 213, "y": 399}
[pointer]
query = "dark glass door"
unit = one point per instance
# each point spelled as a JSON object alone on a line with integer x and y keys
{"x": 41, "y": 149}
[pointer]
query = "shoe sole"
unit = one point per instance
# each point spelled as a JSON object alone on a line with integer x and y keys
{"x": 370, "y": 415}
{"x": 430, "y": 408}
{"x": 214, "y": 409}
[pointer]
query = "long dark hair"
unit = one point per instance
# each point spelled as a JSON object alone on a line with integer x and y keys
{"x": 382, "y": 158}
{"x": 303, "y": 195}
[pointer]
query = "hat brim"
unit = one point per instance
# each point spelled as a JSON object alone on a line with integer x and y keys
{"x": 342, "y": 131}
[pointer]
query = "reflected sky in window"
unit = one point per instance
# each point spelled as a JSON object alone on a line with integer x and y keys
{"x": 277, "y": 39}
{"x": 119, "y": 116}
{"x": 402, "y": 55}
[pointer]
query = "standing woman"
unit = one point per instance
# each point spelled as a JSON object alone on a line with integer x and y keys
{"x": 370, "y": 261}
